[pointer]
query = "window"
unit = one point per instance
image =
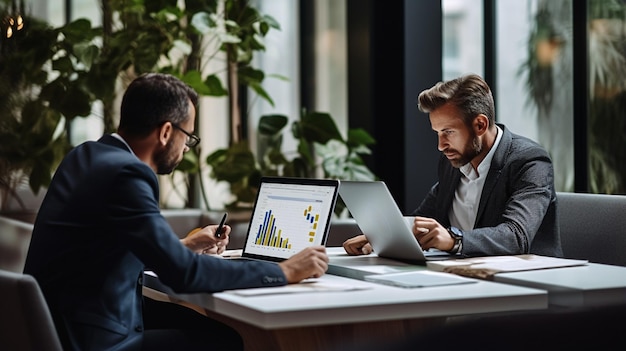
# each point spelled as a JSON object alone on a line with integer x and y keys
{"x": 535, "y": 77}
{"x": 462, "y": 38}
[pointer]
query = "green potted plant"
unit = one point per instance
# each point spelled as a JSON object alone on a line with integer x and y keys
{"x": 35, "y": 103}
{"x": 51, "y": 75}
{"x": 321, "y": 152}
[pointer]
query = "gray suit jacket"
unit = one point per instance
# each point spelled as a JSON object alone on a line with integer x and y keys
{"x": 517, "y": 210}
{"x": 98, "y": 227}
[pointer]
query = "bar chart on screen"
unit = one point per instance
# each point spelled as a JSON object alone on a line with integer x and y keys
{"x": 289, "y": 223}
{"x": 290, "y": 215}
{"x": 269, "y": 234}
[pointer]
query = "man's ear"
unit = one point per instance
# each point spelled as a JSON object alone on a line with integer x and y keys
{"x": 480, "y": 124}
{"x": 165, "y": 133}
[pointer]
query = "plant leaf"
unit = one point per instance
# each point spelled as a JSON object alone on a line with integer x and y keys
{"x": 272, "y": 124}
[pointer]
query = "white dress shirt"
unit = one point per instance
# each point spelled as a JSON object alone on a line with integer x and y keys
{"x": 467, "y": 195}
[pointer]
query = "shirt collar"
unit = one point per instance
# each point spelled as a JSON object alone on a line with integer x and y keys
{"x": 485, "y": 164}
{"x": 119, "y": 137}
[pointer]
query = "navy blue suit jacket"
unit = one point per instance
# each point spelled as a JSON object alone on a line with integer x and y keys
{"x": 517, "y": 209}
{"x": 98, "y": 227}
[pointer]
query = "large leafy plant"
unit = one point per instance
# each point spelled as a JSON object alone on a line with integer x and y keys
{"x": 321, "y": 152}
{"x": 41, "y": 90}
{"x": 49, "y": 75}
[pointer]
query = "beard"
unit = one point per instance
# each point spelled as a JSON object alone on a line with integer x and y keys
{"x": 166, "y": 159}
{"x": 472, "y": 149}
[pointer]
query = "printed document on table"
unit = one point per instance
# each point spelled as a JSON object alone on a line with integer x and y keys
{"x": 418, "y": 279}
{"x": 486, "y": 267}
{"x": 304, "y": 287}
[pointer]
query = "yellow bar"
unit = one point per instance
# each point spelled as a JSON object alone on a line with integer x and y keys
{"x": 269, "y": 231}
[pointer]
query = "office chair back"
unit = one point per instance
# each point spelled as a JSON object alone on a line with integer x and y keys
{"x": 14, "y": 241}
{"x": 25, "y": 321}
{"x": 593, "y": 227}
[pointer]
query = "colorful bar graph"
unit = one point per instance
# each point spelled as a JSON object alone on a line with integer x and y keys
{"x": 270, "y": 235}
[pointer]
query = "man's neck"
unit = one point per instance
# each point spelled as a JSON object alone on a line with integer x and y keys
{"x": 488, "y": 139}
{"x": 141, "y": 147}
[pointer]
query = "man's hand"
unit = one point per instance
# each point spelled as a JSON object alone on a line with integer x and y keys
{"x": 203, "y": 241}
{"x": 358, "y": 245}
{"x": 311, "y": 262}
{"x": 430, "y": 234}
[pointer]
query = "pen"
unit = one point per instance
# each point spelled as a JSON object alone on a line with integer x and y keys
{"x": 218, "y": 232}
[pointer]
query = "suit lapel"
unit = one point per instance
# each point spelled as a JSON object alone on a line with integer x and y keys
{"x": 495, "y": 170}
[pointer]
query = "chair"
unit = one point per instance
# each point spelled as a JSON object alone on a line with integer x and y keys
{"x": 340, "y": 230}
{"x": 593, "y": 227}
{"x": 25, "y": 321}
{"x": 14, "y": 240}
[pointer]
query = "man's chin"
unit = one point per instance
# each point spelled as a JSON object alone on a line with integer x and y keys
{"x": 453, "y": 161}
{"x": 166, "y": 170}
{"x": 457, "y": 163}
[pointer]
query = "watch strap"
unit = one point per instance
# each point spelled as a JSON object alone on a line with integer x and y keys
{"x": 458, "y": 242}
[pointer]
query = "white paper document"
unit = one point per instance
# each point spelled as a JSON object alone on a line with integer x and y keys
{"x": 418, "y": 279}
{"x": 304, "y": 287}
{"x": 497, "y": 264}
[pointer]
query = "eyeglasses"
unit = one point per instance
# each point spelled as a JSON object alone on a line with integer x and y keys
{"x": 192, "y": 140}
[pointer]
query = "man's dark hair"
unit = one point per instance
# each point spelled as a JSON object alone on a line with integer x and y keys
{"x": 470, "y": 94}
{"x": 153, "y": 99}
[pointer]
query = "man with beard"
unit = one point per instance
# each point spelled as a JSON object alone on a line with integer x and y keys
{"x": 495, "y": 194}
{"x": 100, "y": 226}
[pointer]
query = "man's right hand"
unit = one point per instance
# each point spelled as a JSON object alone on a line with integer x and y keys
{"x": 358, "y": 245}
{"x": 311, "y": 262}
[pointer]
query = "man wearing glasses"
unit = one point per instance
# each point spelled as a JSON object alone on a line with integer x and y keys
{"x": 192, "y": 140}
{"x": 100, "y": 225}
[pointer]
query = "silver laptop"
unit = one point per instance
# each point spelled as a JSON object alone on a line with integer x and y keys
{"x": 289, "y": 215}
{"x": 389, "y": 232}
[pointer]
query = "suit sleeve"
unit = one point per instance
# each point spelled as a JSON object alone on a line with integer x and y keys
{"x": 516, "y": 208}
{"x": 137, "y": 219}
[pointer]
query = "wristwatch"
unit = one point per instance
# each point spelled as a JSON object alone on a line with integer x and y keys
{"x": 457, "y": 235}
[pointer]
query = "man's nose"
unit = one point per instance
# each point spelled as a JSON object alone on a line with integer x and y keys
{"x": 441, "y": 144}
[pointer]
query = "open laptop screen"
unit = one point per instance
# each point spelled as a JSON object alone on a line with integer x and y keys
{"x": 379, "y": 218}
{"x": 289, "y": 214}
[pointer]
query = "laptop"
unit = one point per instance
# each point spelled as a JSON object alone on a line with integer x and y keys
{"x": 389, "y": 232}
{"x": 289, "y": 215}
